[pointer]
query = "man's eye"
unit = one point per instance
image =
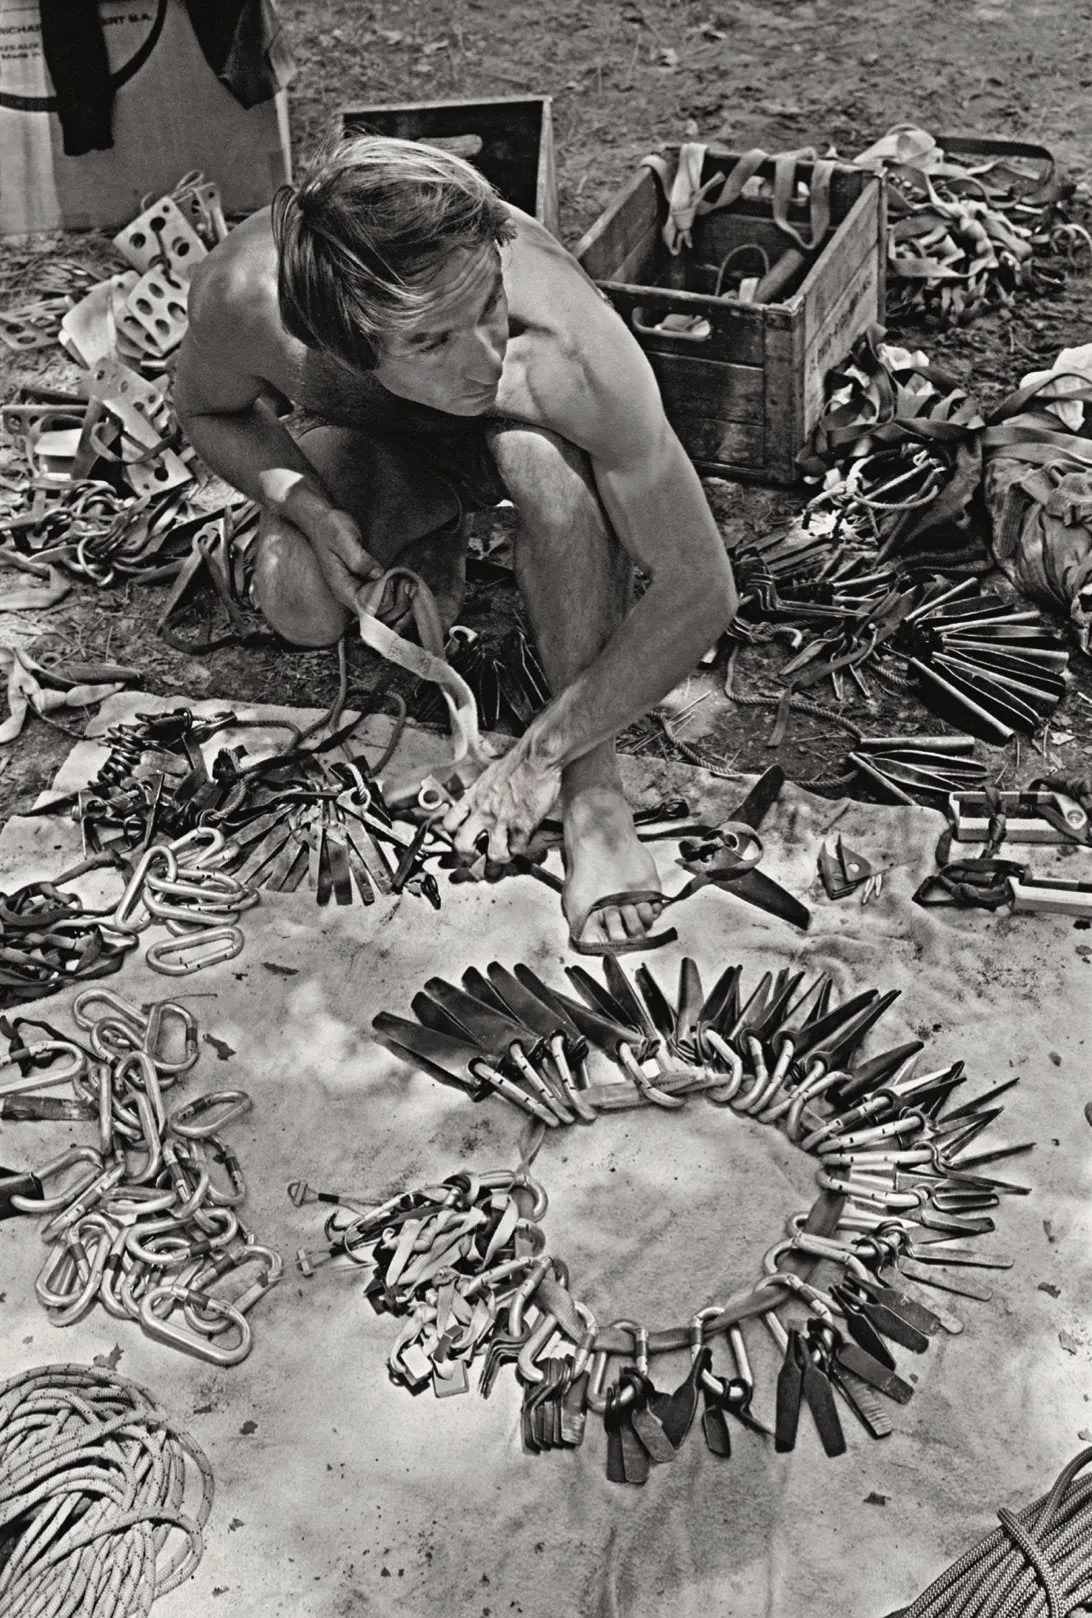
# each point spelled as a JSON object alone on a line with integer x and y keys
{"x": 430, "y": 344}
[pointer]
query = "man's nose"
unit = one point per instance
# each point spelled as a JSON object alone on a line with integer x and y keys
{"x": 489, "y": 344}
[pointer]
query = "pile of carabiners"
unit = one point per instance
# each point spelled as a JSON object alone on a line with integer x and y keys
{"x": 462, "y": 1262}
{"x": 145, "y": 1221}
{"x": 177, "y": 885}
{"x": 300, "y": 814}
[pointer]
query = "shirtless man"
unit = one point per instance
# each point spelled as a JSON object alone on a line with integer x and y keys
{"x": 460, "y": 355}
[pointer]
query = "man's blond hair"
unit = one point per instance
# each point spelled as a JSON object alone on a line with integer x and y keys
{"x": 360, "y": 236}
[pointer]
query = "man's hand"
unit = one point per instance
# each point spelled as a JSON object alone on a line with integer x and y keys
{"x": 339, "y": 550}
{"x": 506, "y": 802}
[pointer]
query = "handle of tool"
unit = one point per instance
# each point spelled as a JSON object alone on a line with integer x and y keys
{"x": 779, "y": 275}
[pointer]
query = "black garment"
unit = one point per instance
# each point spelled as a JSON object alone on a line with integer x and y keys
{"x": 75, "y": 53}
{"x": 240, "y": 40}
{"x": 241, "y": 43}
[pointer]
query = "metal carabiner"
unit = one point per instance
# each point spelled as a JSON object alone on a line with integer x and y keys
{"x": 525, "y": 1292}
{"x": 147, "y": 1084}
{"x": 31, "y": 1079}
{"x": 167, "y": 1069}
{"x": 121, "y": 1008}
{"x": 58, "y": 1279}
{"x": 233, "y": 1102}
{"x": 272, "y": 1268}
{"x": 721, "y": 1094}
{"x": 151, "y": 1144}
{"x": 113, "y": 1037}
{"x": 61, "y": 1199}
{"x": 829, "y": 1247}
{"x": 179, "y": 957}
{"x": 77, "y": 1203}
{"x": 741, "y": 1385}
{"x": 189, "y": 852}
{"x": 596, "y": 1397}
{"x": 84, "y": 1296}
{"x": 214, "y": 1150}
{"x": 127, "y": 914}
{"x": 215, "y": 890}
{"x": 510, "y": 1180}
{"x": 189, "y": 1194}
{"x": 165, "y": 1330}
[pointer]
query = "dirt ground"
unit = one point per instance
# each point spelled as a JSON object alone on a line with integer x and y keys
{"x": 624, "y": 78}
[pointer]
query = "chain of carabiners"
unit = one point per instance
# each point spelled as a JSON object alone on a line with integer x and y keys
{"x": 145, "y": 1221}
{"x": 464, "y": 1264}
{"x": 178, "y": 886}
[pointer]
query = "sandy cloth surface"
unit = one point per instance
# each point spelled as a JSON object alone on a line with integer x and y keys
{"x": 338, "y": 1494}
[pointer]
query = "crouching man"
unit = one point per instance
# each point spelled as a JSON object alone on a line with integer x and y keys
{"x": 457, "y": 355}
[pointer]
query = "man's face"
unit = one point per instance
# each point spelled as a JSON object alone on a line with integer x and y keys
{"x": 452, "y": 355}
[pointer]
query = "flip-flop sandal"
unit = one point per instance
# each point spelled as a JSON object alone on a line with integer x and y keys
{"x": 624, "y": 946}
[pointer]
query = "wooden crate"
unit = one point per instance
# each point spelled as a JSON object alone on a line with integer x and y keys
{"x": 517, "y": 135}
{"x": 745, "y": 398}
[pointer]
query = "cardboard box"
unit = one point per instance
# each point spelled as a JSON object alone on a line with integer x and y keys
{"x": 745, "y": 396}
{"x": 171, "y": 115}
{"x": 516, "y": 132}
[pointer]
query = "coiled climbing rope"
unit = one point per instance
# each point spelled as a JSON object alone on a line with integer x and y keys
{"x": 1038, "y": 1564}
{"x": 94, "y": 1479}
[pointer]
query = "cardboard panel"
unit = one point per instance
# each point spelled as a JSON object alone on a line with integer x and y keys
{"x": 170, "y": 116}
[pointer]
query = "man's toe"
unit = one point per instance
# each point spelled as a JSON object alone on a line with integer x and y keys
{"x": 615, "y": 927}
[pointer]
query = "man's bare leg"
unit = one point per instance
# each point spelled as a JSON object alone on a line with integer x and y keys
{"x": 576, "y": 581}
{"x": 405, "y": 514}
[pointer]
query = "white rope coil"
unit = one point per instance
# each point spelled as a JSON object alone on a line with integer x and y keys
{"x": 93, "y": 1484}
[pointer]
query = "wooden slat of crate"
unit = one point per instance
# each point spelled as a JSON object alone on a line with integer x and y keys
{"x": 751, "y": 428}
{"x": 620, "y": 245}
{"x": 850, "y": 314}
{"x": 737, "y": 336}
{"x": 517, "y": 134}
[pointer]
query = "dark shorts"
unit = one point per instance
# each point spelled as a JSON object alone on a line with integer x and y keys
{"x": 454, "y": 449}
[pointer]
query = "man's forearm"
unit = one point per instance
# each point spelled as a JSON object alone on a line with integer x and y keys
{"x": 657, "y": 645}
{"x": 251, "y": 450}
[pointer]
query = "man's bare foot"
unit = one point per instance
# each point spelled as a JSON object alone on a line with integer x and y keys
{"x": 603, "y": 856}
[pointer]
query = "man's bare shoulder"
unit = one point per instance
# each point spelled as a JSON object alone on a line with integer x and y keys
{"x": 576, "y": 367}
{"x": 233, "y": 295}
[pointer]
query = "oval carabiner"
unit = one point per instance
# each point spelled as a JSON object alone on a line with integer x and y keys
{"x": 181, "y": 956}
{"x": 169, "y": 1069}
{"x": 164, "y": 1330}
{"x": 234, "y": 1103}
{"x": 737, "y": 1389}
{"x": 195, "y": 847}
{"x": 123, "y": 1009}
{"x": 88, "y": 1290}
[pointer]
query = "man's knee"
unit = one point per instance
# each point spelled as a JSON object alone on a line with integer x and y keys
{"x": 289, "y": 590}
{"x": 550, "y": 480}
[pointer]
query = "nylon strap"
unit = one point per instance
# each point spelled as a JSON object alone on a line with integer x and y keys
{"x": 427, "y": 662}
